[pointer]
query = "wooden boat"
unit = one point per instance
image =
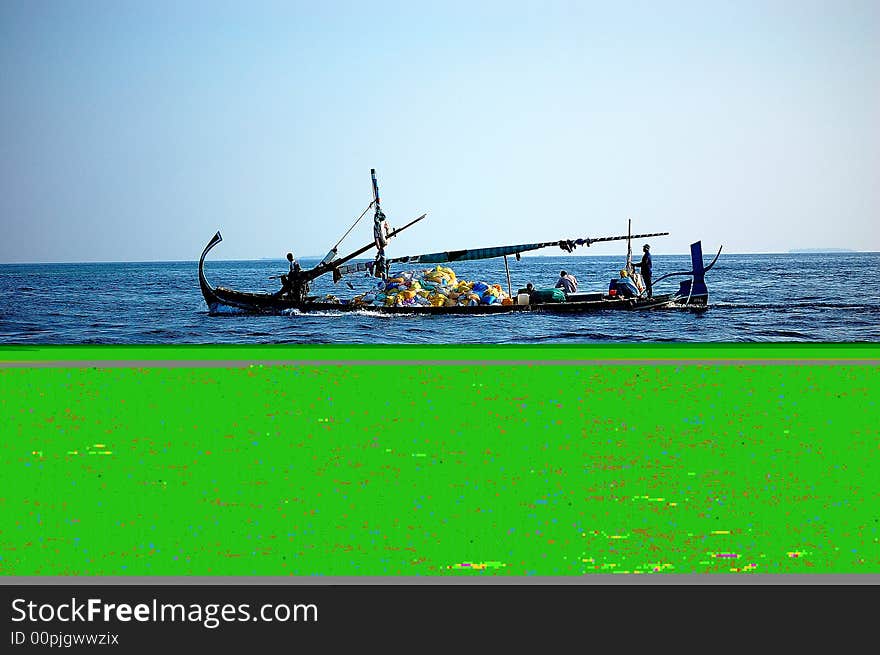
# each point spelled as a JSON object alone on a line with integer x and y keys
{"x": 692, "y": 293}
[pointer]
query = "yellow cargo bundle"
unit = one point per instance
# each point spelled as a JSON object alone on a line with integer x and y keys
{"x": 442, "y": 274}
{"x": 448, "y": 273}
{"x": 441, "y": 287}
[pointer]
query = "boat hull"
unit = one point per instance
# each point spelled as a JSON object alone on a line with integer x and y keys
{"x": 227, "y": 301}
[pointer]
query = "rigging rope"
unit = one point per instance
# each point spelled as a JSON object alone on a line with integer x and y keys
{"x": 372, "y": 202}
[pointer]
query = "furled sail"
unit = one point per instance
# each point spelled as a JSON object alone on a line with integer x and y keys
{"x": 502, "y": 251}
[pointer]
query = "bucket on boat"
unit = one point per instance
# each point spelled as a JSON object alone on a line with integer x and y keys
{"x": 522, "y": 299}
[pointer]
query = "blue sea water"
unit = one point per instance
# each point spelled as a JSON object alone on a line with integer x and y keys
{"x": 753, "y": 298}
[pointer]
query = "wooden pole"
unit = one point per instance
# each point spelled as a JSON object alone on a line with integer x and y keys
{"x": 629, "y": 266}
{"x": 507, "y": 270}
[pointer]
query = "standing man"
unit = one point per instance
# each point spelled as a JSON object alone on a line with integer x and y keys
{"x": 380, "y": 229}
{"x": 646, "y": 267}
{"x": 380, "y": 225}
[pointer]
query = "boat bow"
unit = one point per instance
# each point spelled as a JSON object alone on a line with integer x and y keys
{"x": 207, "y": 289}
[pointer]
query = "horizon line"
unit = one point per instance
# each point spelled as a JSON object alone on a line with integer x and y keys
{"x": 839, "y": 251}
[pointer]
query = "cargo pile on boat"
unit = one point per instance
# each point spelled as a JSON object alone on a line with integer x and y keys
{"x": 437, "y": 287}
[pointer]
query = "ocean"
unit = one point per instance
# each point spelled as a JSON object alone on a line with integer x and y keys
{"x": 753, "y": 298}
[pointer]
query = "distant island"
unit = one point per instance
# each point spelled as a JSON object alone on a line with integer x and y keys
{"x": 801, "y": 251}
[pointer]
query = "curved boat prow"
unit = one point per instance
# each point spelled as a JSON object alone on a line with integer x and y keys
{"x": 207, "y": 289}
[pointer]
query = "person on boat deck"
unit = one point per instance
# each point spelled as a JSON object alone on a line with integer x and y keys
{"x": 294, "y": 283}
{"x": 528, "y": 289}
{"x": 646, "y": 266}
{"x": 625, "y": 286}
{"x": 300, "y": 286}
{"x": 567, "y": 282}
{"x": 288, "y": 277}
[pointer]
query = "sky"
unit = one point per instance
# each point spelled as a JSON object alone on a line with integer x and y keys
{"x": 132, "y": 131}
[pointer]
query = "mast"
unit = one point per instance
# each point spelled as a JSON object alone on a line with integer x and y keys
{"x": 629, "y": 249}
{"x": 375, "y": 188}
{"x": 380, "y": 227}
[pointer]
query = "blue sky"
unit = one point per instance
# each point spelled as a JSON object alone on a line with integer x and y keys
{"x": 131, "y": 131}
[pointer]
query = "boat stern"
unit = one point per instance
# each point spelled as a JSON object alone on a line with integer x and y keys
{"x": 693, "y": 292}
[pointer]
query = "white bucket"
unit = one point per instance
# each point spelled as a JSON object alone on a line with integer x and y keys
{"x": 522, "y": 299}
